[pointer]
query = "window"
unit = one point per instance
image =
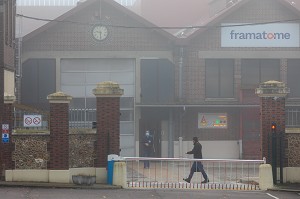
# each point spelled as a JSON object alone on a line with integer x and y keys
{"x": 157, "y": 81}
{"x": 293, "y": 71}
{"x": 256, "y": 71}
{"x": 219, "y": 78}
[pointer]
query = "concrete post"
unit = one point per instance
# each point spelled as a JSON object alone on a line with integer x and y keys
{"x": 265, "y": 177}
{"x": 108, "y": 121}
{"x": 59, "y": 131}
{"x": 120, "y": 175}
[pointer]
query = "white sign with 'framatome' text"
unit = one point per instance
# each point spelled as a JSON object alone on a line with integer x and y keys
{"x": 263, "y": 35}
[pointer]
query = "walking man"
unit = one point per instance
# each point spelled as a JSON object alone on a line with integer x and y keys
{"x": 197, "y": 165}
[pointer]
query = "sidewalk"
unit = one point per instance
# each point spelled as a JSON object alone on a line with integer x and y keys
{"x": 287, "y": 187}
{"x": 57, "y": 185}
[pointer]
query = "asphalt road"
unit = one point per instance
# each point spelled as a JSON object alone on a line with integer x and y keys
{"x": 54, "y": 193}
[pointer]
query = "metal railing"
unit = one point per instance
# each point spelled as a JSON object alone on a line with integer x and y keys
{"x": 169, "y": 173}
{"x": 82, "y": 118}
{"x": 293, "y": 117}
{"x": 21, "y": 110}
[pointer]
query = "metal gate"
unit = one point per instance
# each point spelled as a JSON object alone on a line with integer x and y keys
{"x": 168, "y": 173}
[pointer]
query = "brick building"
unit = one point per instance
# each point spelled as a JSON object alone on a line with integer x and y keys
{"x": 7, "y": 55}
{"x": 198, "y": 82}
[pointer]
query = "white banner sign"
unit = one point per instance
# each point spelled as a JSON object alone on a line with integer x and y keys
{"x": 32, "y": 120}
{"x": 264, "y": 35}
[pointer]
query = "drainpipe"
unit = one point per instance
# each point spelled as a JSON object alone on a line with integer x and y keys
{"x": 180, "y": 63}
{"x": 170, "y": 137}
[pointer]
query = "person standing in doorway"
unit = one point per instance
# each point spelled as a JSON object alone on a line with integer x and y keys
{"x": 148, "y": 145}
{"x": 197, "y": 165}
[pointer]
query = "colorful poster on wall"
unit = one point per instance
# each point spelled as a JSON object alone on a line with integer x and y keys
{"x": 212, "y": 120}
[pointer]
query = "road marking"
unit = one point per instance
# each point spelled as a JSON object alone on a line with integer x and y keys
{"x": 272, "y": 196}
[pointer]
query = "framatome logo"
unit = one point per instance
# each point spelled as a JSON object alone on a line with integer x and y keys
{"x": 264, "y": 35}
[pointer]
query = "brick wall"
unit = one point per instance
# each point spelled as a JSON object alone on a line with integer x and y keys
{"x": 108, "y": 129}
{"x": 59, "y": 136}
{"x": 7, "y": 148}
{"x": 272, "y": 110}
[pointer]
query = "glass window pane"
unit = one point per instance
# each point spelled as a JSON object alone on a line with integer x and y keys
{"x": 126, "y": 115}
{"x": 96, "y": 77}
{"x": 250, "y": 73}
{"x": 211, "y": 78}
{"x": 270, "y": 69}
{"x": 126, "y": 102}
{"x": 72, "y": 78}
{"x": 126, "y": 127}
{"x": 74, "y": 91}
{"x": 123, "y": 77}
{"x": 226, "y": 78}
{"x": 293, "y": 72}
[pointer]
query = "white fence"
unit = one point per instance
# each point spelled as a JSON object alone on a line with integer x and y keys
{"x": 169, "y": 173}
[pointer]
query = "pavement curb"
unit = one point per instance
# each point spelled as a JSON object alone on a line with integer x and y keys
{"x": 57, "y": 185}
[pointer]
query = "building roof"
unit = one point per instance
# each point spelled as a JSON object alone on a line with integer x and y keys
{"x": 181, "y": 14}
{"x": 87, "y": 3}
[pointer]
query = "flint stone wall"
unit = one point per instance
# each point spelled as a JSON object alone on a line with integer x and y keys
{"x": 293, "y": 149}
{"x": 31, "y": 149}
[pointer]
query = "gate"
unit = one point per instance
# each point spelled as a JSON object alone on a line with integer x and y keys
{"x": 276, "y": 153}
{"x": 226, "y": 174}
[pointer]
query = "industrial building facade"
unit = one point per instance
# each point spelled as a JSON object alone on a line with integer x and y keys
{"x": 200, "y": 82}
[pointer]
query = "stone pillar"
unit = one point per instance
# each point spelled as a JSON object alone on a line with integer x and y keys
{"x": 59, "y": 131}
{"x": 6, "y": 148}
{"x": 108, "y": 121}
{"x": 272, "y": 109}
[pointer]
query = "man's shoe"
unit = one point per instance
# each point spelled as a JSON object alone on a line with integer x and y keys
{"x": 205, "y": 181}
{"x": 187, "y": 180}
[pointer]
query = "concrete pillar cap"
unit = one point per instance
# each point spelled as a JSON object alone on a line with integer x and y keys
{"x": 108, "y": 89}
{"x": 9, "y": 98}
{"x": 59, "y": 97}
{"x": 272, "y": 88}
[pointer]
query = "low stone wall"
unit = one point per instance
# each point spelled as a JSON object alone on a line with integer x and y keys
{"x": 31, "y": 149}
{"x": 293, "y": 148}
{"x": 82, "y": 148}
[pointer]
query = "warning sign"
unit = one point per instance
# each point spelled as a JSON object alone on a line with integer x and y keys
{"x": 5, "y": 126}
{"x": 32, "y": 120}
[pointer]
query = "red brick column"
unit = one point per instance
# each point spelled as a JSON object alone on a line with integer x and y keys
{"x": 59, "y": 131}
{"x": 6, "y": 149}
{"x": 108, "y": 121}
{"x": 272, "y": 109}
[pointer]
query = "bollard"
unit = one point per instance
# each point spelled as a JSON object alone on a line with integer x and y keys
{"x": 119, "y": 177}
{"x": 265, "y": 177}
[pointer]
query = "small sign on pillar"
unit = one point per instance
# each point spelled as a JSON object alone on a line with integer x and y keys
{"x": 5, "y": 133}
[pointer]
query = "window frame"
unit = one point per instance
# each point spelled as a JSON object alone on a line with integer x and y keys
{"x": 219, "y": 83}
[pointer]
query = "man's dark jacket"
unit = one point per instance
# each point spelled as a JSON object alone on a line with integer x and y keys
{"x": 197, "y": 151}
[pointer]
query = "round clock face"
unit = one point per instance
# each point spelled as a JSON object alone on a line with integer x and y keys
{"x": 99, "y": 32}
